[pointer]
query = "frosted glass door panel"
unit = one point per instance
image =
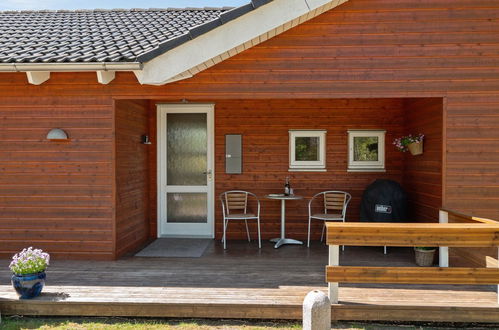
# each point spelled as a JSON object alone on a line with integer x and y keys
{"x": 187, "y": 207}
{"x": 185, "y": 170}
{"x": 186, "y": 149}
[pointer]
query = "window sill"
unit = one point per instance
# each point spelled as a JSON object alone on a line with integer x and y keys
{"x": 307, "y": 170}
{"x": 366, "y": 170}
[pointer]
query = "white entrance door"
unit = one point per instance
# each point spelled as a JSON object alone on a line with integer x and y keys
{"x": 185, "y": 170}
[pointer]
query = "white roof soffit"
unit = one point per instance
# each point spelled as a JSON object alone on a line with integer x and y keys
{"x": 230, "y": 39}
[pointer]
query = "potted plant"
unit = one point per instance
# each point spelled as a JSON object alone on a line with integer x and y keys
{"x": 424, "y": 256}
{"x": 28, "y": 268}
{"x": 413, "y": 144}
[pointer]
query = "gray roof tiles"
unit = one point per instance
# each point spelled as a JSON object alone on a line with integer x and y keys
{"x": 118, "y": 35}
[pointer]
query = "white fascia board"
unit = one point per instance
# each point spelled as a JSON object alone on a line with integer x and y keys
{"x": 163, "y": 68}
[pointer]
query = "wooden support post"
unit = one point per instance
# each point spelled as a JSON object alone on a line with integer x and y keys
{"x": 334, "y": 260}
{"x": 443, "y": 252}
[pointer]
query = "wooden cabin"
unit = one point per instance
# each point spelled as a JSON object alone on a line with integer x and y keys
{"x": 259, "y": 71}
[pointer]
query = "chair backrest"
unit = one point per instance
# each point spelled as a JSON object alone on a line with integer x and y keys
{"x": 334, "y": 201}
{"x": 236, "y": 201}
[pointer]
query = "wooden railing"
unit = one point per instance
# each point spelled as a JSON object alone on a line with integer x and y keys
{"x": 475, "y": 232}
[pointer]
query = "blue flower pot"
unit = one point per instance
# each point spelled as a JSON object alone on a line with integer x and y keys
{"x": 28, "y": 286}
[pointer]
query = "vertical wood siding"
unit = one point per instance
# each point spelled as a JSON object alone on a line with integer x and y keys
{"x": 132, "y": 175}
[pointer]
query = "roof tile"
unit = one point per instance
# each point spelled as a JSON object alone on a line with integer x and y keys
{"x": 118, "y": 35}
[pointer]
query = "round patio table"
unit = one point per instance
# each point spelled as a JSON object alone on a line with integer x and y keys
{"x": 283, "y": 240}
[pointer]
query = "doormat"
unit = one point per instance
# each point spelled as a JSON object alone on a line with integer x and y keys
{"x": 175, "y": 248}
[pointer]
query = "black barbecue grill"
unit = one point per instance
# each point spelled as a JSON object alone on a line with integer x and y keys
{"x": 384, "y": 201}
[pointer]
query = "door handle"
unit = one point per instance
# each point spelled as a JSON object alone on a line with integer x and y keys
{"x": 207, "y": 172}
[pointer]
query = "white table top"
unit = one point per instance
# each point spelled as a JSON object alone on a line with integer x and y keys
{"x": 282, "y": 196}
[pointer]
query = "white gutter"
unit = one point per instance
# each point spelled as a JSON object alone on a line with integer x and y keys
{"x": 70, "y": 67}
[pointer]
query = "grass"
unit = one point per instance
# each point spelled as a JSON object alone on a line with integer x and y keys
{"x": 115, "y": 323}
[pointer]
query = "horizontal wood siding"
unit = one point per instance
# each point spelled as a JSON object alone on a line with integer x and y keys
{"x": 476, "y": 256}
{"x": 153, "y": 172}
{"x": 362, "y": 49}
{"x": 57, "y": 196}
{"x": 423, "y": 173}
{"x": 132, "y": 175}
{"x": 264, "y": 126}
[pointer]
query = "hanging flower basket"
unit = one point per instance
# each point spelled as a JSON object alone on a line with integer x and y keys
{"x": 413, "y": 144}
{"x": 415, "y": 148}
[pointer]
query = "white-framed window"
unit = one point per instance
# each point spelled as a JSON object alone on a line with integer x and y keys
{"x": 307, "y": 150}
{"x": 366, "y": 150}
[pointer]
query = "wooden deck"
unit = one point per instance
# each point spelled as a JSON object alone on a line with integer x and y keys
{"x": 244, "y": 282}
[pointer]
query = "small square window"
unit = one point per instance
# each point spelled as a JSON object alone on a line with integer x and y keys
{"x": 307, "y": 150}
{"x": 366, "y": 150}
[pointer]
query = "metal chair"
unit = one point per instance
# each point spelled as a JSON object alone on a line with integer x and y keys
{"x": 335, "y": 208}
{"x": 235, "y": 207}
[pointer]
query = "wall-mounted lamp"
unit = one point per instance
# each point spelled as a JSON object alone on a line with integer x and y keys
{"x": 145, "y": 139}
{"x": 57, "y": 134}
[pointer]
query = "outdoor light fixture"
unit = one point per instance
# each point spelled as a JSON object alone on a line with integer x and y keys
{"x": 57, "y": 134}
{"x": 145, "y": 139}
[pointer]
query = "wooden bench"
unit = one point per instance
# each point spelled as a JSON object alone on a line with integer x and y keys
{"x": 478, "y": 232}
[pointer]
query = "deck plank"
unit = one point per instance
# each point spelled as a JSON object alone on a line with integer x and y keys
{"x": 243, "y": 282}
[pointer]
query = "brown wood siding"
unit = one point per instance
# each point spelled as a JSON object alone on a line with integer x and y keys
{"x": 132, "y": 174}
{"x": 153, "y": 172}
{"x": 266, "y": 155}
{"x": 57, "y": 196}
{"x": 474, "y": 256}
{"x": 264, "y": 126}
{"x": 423, "y": 173}
{"x": 362, "y": 49}
{"x": 387, "y": 48}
